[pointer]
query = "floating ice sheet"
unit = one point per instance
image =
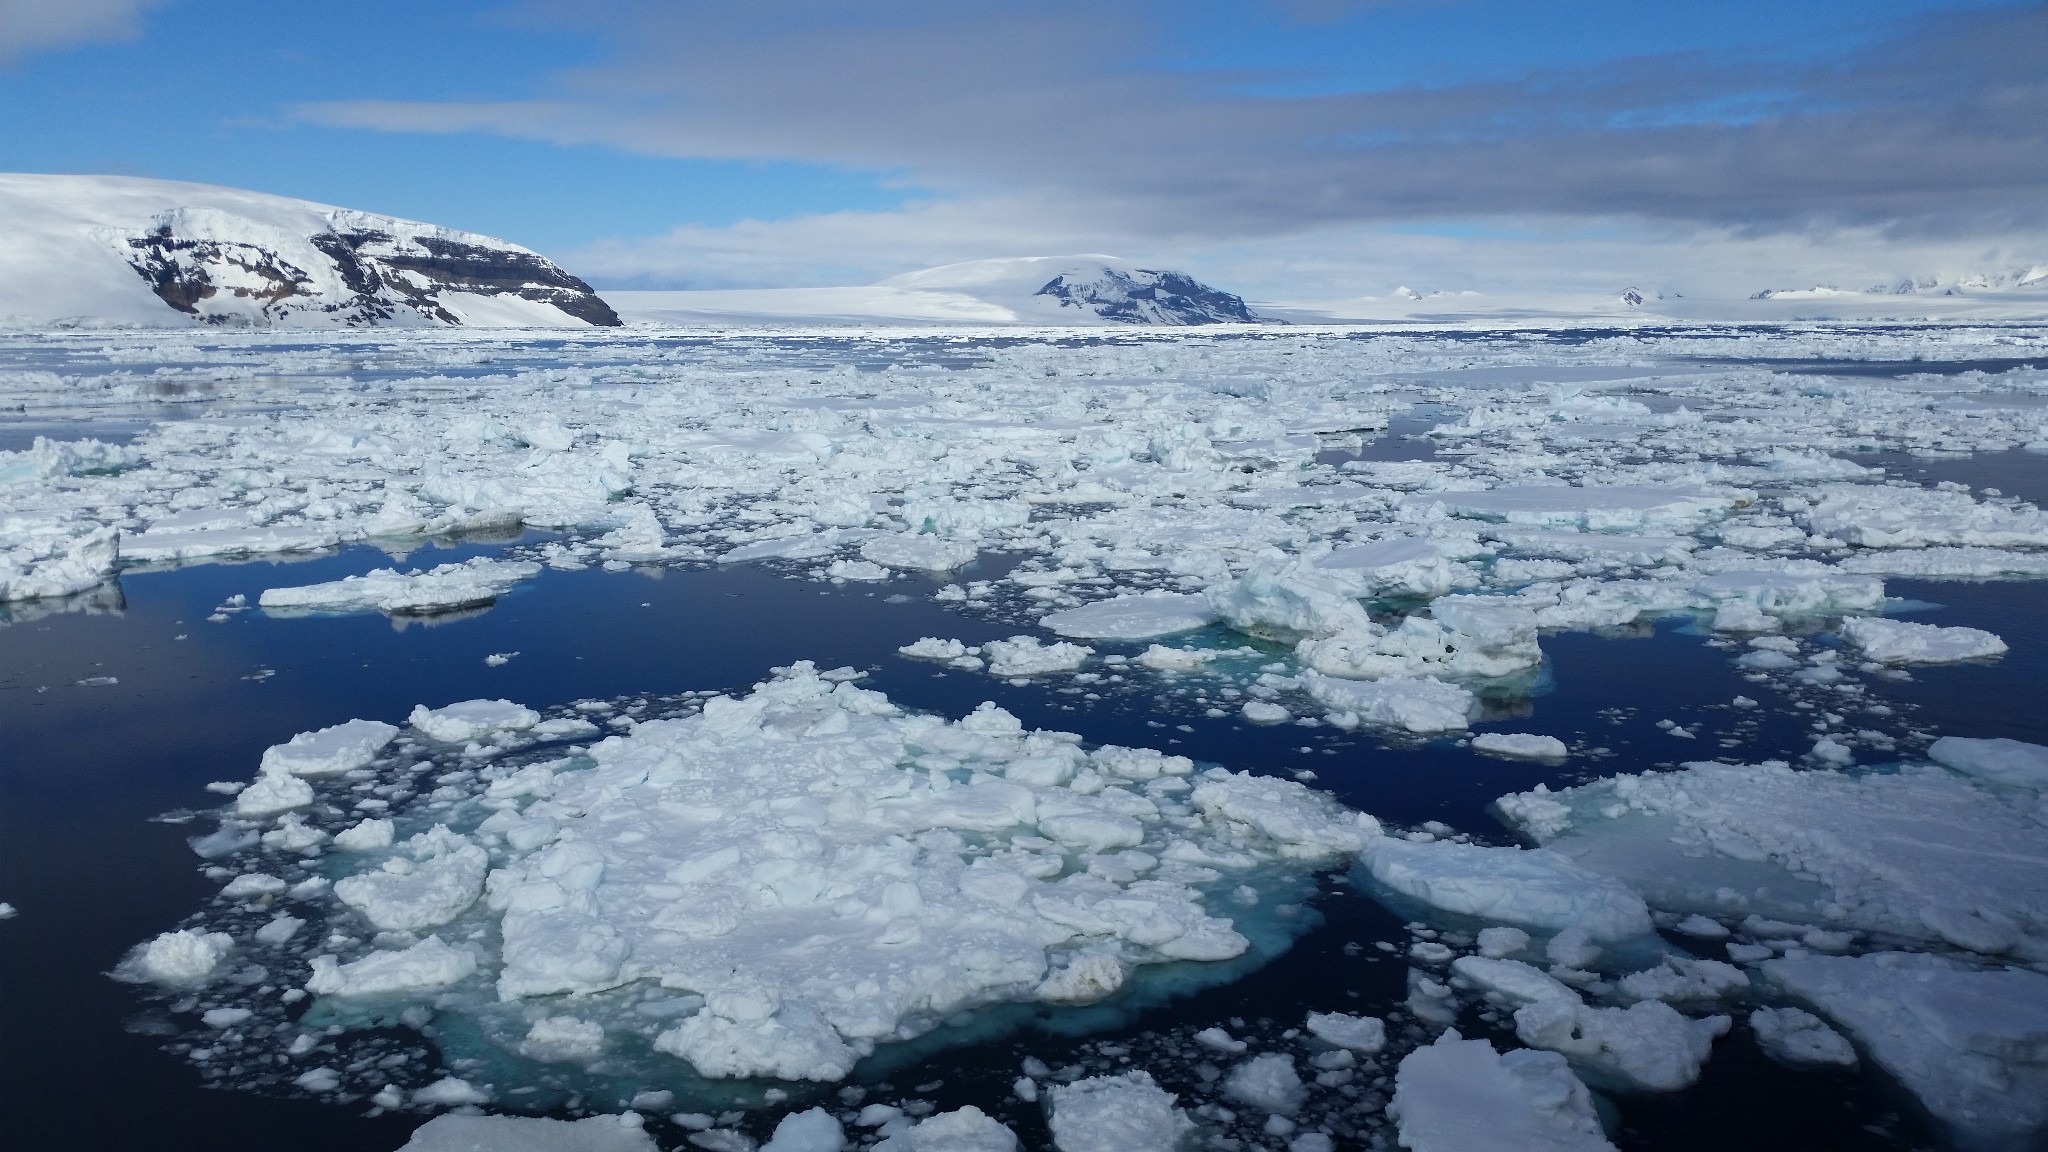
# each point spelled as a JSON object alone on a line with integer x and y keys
{"x": 774, "y": 886}
{"x": 474, "y": 583}
{"x": 1920, "y": 853}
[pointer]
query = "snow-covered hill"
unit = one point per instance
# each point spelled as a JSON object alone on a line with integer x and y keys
{"x": 98, "y": 251}
{"x": 1086, "y": 290}
{"x": 2034, "y": 279}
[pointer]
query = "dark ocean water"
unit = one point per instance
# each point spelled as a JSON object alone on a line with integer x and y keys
{"x": 87, "y": 764}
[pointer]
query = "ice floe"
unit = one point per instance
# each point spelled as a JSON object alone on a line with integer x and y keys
{"x": 472, "y": 584}
{"x": 1529, "y": 888}
{"x": 1904, "y": 642}
{"x": 1138, "y": 617}
{"x": 1126, "y": 1113}
{"x": 1920, "y": 853}
{"x": 1460, "y": 1095}
{"x": 1971, "y": 1044}
{"x": 767, "y": 864}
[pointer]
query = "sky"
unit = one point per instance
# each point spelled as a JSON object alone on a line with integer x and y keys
{"x": 1285, "y": 149}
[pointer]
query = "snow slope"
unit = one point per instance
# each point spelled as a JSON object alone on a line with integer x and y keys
{"x": 115, "y": 251}
{"x": 1092, "y": 290}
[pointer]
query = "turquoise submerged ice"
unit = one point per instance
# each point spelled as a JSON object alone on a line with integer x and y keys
{"x": 780, "y": 883}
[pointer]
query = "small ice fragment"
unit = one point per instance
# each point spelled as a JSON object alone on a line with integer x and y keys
{"x": 1367, "y": 1034}
{"x": 1904, "y": 642}
{"x": 471, "y": 719}
{"x": 329, "y": 751}
{"x": 365, "y": 836}
{"x": 812, "y": 1131}
{"x": 279, "y": 930}
{"x": 1460, "y": 1095}
{"x": 452, "y": 1092}
{"x": 224, "y": 1017}
{"x": 1572, "y": 948}
{"x": 1219, "y": 1040}
{"x": 1025, "y": 656}
{"x": 1520, "y": 745}
{"x": 968, "y": 1129}
{"x": 1500, "y": 941}
{"x": 1124, "y": 1113}
{"x": 1133, "y": 617}
{"x": 252, "y": 885}
{"x": 1267, "y": 1082}
{"x": 1699, "y": 927}
{"x": 1266, "y": 712}
{"x": 272, "y": 794}
{"x": 499, "y": 659}
{"x": 1796, "y": 1037}
{"x": 427, "y": 964}
{"x": 455, "y": 1132}
{"x": 182, "y": 958}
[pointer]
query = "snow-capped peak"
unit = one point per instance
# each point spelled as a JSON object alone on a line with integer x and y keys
{"x": 1057, "y": 288}
{"x": 99, "y": 250}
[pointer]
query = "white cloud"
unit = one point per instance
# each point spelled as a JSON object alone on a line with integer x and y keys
{"x": 1041, "y": 129}
{"x": 30, "y": 26}
{"x": 1504, "y": 258}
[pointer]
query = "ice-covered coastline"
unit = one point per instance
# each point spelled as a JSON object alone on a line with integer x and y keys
{"x": 1185, "y": 511}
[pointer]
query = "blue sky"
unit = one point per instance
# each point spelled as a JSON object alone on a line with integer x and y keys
{"x": 798, "y": 140}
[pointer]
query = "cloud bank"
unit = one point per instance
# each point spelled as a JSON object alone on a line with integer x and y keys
{"x": 31, "y": 26}
{"x": 1055, "y": 127}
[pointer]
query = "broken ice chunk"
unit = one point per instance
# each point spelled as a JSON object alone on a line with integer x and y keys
{"x": 1904, "y": 642}
{"x": 1367, "y": 1034}
{"x": 1520, "y": 746}
{"x": 1791, "y": 1036}
{"x": 1529, "y": 888}
{"x": 1133, "y": 617}
{"x": 329, "y": 751}
{"x": 1123, "y": 1113}
{"x": 1460, "y": 1095}
{"x": 471, "y": 719}
{"x": 455, "y": 1132}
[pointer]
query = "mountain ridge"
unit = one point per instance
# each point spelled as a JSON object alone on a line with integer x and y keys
{"x": 114, "y": 251}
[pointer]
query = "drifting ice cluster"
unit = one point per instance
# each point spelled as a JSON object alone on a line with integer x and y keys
{"x": 781, "y": 884}
{"x": 770, "y": 887}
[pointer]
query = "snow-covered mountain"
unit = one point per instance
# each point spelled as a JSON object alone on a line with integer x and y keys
{"x": 1052, "y": 290}
{"x": 1975, "y": 283}
{"x": 1103, "y": 287}
{"x": 95, "y": 251}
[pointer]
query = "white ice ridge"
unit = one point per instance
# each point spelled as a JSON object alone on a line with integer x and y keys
{"x": 1921, "y": 853}
{"x": 782, "y": 856}
{"x": 1460, "y": 1095}
{"x": 1904, "y": 642}
{"x": 471, "y": 584}
{"x": 1970, "y": 1043}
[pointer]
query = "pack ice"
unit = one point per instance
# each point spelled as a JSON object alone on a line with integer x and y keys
{"x": 771, "y": 887}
